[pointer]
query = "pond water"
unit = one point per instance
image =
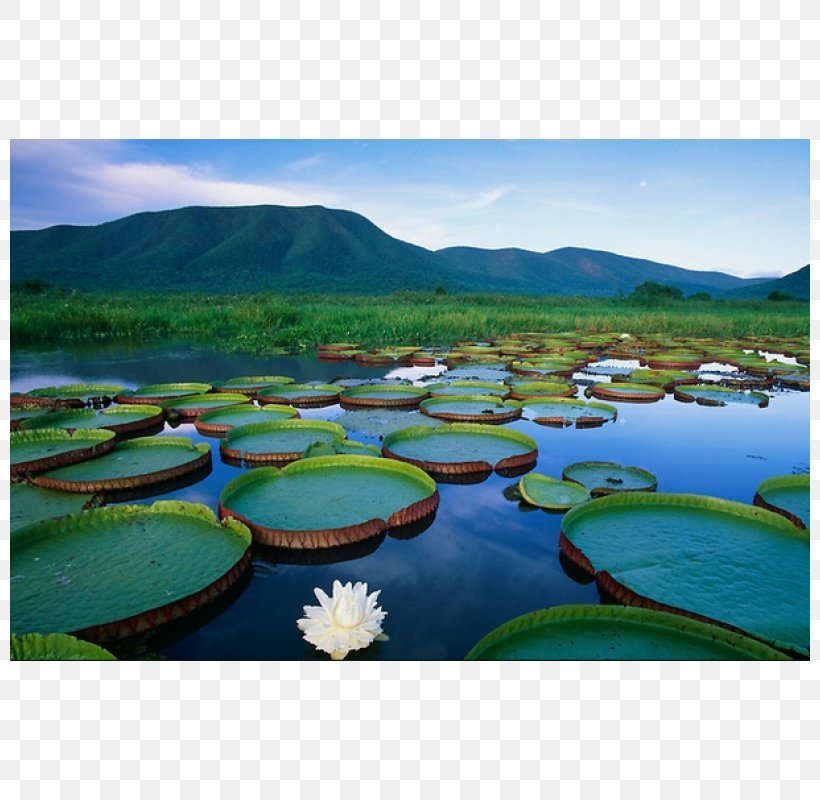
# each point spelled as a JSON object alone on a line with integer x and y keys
{"x": 482, "y": 559}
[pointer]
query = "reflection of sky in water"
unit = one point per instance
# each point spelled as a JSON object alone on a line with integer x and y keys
{"x": 482, "y": 561}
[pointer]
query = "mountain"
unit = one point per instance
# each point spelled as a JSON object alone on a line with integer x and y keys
{"x": 796, "y": 284}
{"x": 312, "y": 248}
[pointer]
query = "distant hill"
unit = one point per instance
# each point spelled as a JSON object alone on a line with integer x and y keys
{"x": 797, "y": 284}
{"x": 312, "y": 248}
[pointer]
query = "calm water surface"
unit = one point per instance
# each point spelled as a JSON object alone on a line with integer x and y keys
{"x": 483, "y": 559}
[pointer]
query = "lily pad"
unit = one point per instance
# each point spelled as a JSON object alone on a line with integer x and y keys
{"x": 605, "y": 477}
{"x": 249, "y": 385}
{"x": 666, "y": 378}
{"x": 344, "y": 447}
{"x": 471, "y": 408}
{"x": 525, "y": 390}
{"x": 113, "y": 572}
{"x": 146, "y": 461}
{"x": 461, "y": 448}
{"x": 156, "y": 393}
{"x": 383, "y": 395}
{"x": 328, "y": 501}
{"x": 120, "y": 419}
{"x": 707, "y": 394}
{"x": 302, "y": 395}
{"x": 713, "y": 559}
{"x": 628, "y": 392}
{"x": 379, "y": 422}
{"x": 47, "y": 448}
{"x": 550, "y": 493}
{"x": 21, "y": 413}
{"x": 31, "y": 504}
{"x": 675, "y": 360}
{"x": 545, "y": 368}
{"x": 55, "y": 647}
{"x": 601, "y": 633}
{"x": 193, "y": 405}
{"x": 481, "y": 372}
{"x": 278, "y": 442}
{"x": 564, "y": 411}
{"x": 463, "y": 387}
{"x": 221, "y": 420}
{"x": 78, "y": 394}
{"x": 788, "y": 495}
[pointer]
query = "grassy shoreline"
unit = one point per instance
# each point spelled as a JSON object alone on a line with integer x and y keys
{"x": 262, "y": 323}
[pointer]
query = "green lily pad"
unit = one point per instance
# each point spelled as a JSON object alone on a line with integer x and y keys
{"x": 155, "y": 393}
{"x": 788, "y": 495}
{"x": 55, "y": 647}
{"x": 120, "y": 419}
{"x": 464, "y": 387}
{"x": 250, "y": 384}
{"x": 525, "y": 390}
{"x": 471, "y": 408}
{"x": 550, "y": 493}
{"x": 605, "y": 477}
{"x": 145, "y": 461}
{"x": 602, "y": 633}
{"x": 30, "y": 504}
{"x": 221, "y": 420}
{"x": 666, "y": 378}
{"x": 20, "y": 414}
{"x": 707, "y": 394}
{"x": 328, "y": 501}
{"x": 386, "y": 395}
{"x": 111, "y": 572}
{"x": 461, "y": 448}
{"x": 344, "y": 447}
{"x": 727, "y": 562}
{"x": 36, "y": 451}
{"x": 277, "y": 441}
{"x": 378, "y": 422}
{"x": 480, "y": 372}
{"x": 545, "y": 367}
{"x": 564, "y": 411}
{"x": 302, "y": 394}
{"x": 193, "y": 405}
{"x": 674, "y": 359}
{"x": 78, "y": 394}
{"x": 628, "y": 392}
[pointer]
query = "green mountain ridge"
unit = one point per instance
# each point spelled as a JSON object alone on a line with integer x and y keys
{"x": 316, "y": 249}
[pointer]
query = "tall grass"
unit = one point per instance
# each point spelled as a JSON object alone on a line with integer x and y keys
{"x": 263, "y": 322}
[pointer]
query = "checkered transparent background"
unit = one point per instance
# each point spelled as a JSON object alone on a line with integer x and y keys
{"x": 87, "y": 69}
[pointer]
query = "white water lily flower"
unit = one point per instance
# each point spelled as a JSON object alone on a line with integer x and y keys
{"x": 349, "y": 620}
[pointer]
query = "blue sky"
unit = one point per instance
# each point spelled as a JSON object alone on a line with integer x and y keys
{"x": 736, "y": 206}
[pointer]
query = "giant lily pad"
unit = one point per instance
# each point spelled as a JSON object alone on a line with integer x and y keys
{"x": 471, "y": 408}
{"x": 480, "y": 372}
{"x": 78, "y": 394}
{"x": 221, "y": 420}
{"x": 192, "y": 406}
{"x": 155, "y": 393}
{"x": 461, "y": 388}
{"x": 31, "y": 504}
{"x": 120, "y": 419}
{"x": 343, "y": 447}
{"x": 674, "y": 359}
{"x": 113, "y": 572}
{"x": 146, "y": 461}
{"x": 249, "y": 385}
{"x": 717, "y": 560}
{"x": 788, "y": 495}
{"x": 378, "y": 422}
{"x": 384, "y": 395}
{"x": 20, "y": 413}
{"x": 524, "y": 390}
{"x": 36, "y": 451}
{"x": 278, "y": 442}
{"x": 554, "y": 495}
{"x": 461, "y": 448}
{"x": 707, "y": 394}
{"x": 328, "y": 501}
{"x": 562, "y": 411}
{"x": 604, "y": 477}
{"x": 55, "y": 647}
{"x": 667, "y": 378}
{"x": 302, "y": 395}
{"x": 601, "y": 633}
{"x": 628, "y": 392}
{"x": 545, "y": 368}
